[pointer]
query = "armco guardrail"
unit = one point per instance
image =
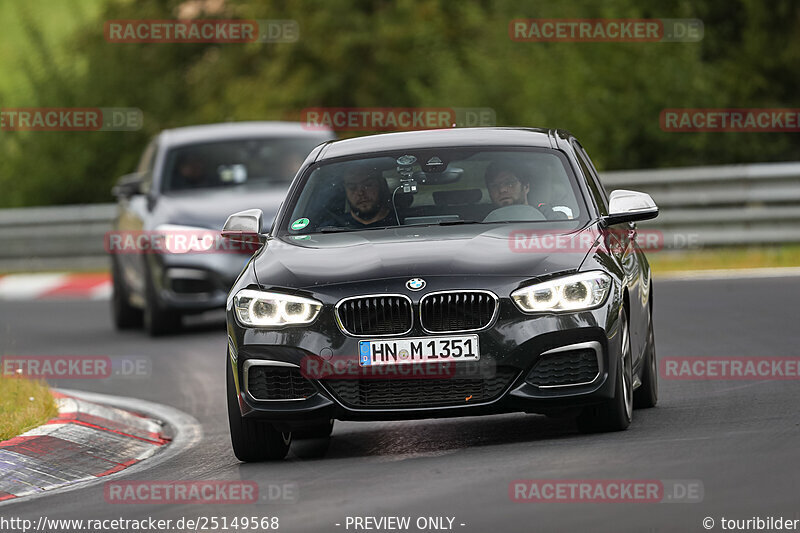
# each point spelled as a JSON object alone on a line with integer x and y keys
{"x": 700, "y": 206}
{"x": 721, "y": 205}
{"x": 54, "y": 238}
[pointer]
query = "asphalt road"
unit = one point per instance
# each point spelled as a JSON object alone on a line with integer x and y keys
{"x": 740, "y": 439}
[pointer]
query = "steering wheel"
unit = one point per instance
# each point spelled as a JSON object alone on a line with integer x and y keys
{"x": 518, "y": 213}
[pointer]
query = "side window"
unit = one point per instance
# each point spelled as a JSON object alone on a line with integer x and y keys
{"x": 146, "y": 164}
{"x": 595, "y": 187}
{"x": 594, "y": 172}
{"x": 148, "y": 158}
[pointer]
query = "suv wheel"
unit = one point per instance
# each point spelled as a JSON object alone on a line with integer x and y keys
{"x": 157, "y": 321}
{"x": 123, "y": 314}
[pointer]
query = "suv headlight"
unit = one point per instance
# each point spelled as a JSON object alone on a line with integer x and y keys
{"x": 266, "y": 309}
{"x": 570, "y": 293}
{"x": 178, "y": 239}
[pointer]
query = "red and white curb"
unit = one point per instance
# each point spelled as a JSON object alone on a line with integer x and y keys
{"x": 87, "y": 442}
{"x": 96, "y": 286}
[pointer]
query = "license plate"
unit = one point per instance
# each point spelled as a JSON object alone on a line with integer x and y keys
{"x": 418, "y": 350}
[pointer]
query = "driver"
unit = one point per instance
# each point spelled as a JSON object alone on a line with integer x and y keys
{"x": 368, "y": 197}
{"x": 192, "y": 170}
{"x": 508, "y": 184}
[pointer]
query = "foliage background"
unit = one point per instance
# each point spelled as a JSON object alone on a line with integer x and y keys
{"x": 442, "y": 53}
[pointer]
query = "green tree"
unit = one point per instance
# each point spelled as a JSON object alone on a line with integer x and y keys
{"x": 437, "y": 53}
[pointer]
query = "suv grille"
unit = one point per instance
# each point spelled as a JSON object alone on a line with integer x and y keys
{"x": 266, "y": 382}
{"x": 457, "y": 311}
{"x": 414, "y": 393}
{"x": 375, "y": 315}
{"x": 565, "y": 368}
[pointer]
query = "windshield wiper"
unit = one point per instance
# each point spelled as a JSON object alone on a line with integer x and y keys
{"x": 332, "y": 229}
{"x": 456, "y": 222}
{"x": 442, "y": 223}
{"x": 337, "y": 229}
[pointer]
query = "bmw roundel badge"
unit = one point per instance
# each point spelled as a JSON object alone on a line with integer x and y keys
{"x": 415, "y": 284}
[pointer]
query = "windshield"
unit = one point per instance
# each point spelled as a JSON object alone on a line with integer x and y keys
{"x": 442, "y": 186}
{"x": 260, "y": 161}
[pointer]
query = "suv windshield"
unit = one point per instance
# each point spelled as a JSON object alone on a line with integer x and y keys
{"x": 437, "y": 186}
{"x": 259, "y": 161}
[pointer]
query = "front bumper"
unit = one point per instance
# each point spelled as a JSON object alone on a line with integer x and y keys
{"x": 194, "y": 283}
{"x": 515, "y": 343}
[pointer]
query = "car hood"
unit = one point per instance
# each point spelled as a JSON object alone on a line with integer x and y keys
{"x": 210, "y": 208}
{"x": 470, "y": 250}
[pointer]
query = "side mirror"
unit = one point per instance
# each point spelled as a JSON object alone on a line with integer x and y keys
{"x": 128, "y": 185}
{"x": 630, "y": 206}
{"x": 244, "y": 226}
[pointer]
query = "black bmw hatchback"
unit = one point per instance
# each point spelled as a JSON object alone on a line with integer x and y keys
{"x": 436, "y": 274}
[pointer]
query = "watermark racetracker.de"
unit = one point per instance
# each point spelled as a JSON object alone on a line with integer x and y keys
{"x": 730, "y": 368}
{"x": 71, "y": 119}
{"x": 313, "y": 367}
{"x": 548, "y": 241}
{"x": 605, "y": 30}
{"x": 202, "y": 31}
{"x": 75, "y": 366}
{"x": 606, "y": 491}
{"x": 178, "y": 241}
{"x": 395, "y": 118}
{"x": 178, "y": 492}
{"x": 753, "y": 120}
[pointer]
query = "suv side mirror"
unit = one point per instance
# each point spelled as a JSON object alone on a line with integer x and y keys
{"x": 128, "y": 185}
{"x": 629, "y": 206}
{"x": 244, "y": 226}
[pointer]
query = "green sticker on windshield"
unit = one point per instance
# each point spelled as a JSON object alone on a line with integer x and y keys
{"x": 301, "y": 237}
{"x": 300, "y": 223}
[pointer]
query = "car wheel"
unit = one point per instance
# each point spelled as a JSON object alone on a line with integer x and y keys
{"x": 615, "y": 414}
{"x": 317, "y": 431}
{"x": 157, "y": 320}
{"x": 253, "y": 440}
{"x": 124, "y": 315}
{"x": 646, "y": 395}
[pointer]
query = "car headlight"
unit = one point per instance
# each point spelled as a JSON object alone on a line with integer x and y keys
{"x": 570, "y": 293}
{"x": 265, "y": 309}
{"x": 178, "y": 239}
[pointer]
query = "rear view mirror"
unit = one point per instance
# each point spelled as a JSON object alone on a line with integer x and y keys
{"x": 243, "y": 226}
{"x": 630, "y": 206}
{"x": 128, "y": 185}
{"x": 451, "y": 175}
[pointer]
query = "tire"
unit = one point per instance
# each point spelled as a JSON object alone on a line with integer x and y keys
{"x": 252, "y": 439}
{"x": 157, "y": 320}
{"x": 614, "y": 414}
{"x": 312, "y": 442}
{"x": 322, "y": 430}
{"x": 123, "y": 314}
{"x": 646, "y": 395}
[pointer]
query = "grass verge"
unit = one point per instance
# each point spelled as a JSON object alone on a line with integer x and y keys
{"x": 24, "y": 404}
{"x": 725, "y": 258}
